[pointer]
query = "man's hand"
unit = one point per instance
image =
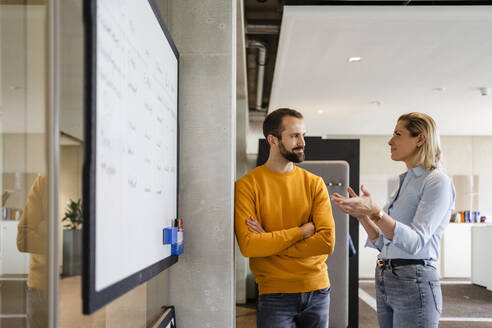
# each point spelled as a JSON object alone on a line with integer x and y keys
{"x": 254, "y": 226}
{"x": 307, "y": 229}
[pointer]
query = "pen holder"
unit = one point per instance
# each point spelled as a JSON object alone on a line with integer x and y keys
{"x": 174, "y": 237}
{"x": 177, "y": 249}
{"x": 170, "y": 236}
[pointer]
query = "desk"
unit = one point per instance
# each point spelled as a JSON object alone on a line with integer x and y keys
{"x": 455, "y": 251}
{"x": 481, "y": 264}
{"x": 11, "y": 260}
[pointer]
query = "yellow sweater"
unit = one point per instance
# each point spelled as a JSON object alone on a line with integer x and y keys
{"x": 282, "y": 261}
{"x": 32, "y": 233}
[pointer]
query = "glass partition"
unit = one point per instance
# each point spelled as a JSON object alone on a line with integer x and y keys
{"x": 23, "y": 169}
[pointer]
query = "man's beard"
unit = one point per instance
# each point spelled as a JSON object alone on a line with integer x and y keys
{"x": 291, "y": 155}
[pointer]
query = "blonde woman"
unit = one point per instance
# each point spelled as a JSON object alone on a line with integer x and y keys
{"x": 408, "y": 230}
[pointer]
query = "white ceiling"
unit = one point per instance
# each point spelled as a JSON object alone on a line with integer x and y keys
{"x": 407, "y": 52}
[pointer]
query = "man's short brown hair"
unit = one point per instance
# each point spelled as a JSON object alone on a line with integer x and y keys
{"x": 273, "y": 122}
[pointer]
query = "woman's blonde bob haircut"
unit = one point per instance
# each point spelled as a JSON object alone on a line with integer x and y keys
{"x": 429, "y": 154}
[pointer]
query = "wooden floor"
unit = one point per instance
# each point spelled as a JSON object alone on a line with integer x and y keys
{"x": 246, "y": 315}
{"x": 465, "y": 306}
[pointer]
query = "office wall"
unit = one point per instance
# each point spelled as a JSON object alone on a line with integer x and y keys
{"x": 72, "y": 68}
{"x": 22, "y": 151}
{"x": 21, "y": 164}
{"x": 255, "y": 132}
{"x": 23, "y": 67}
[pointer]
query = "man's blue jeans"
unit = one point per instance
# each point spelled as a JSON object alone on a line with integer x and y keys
{"x": 408, "y": 296}
{"x": 287, "y": 310}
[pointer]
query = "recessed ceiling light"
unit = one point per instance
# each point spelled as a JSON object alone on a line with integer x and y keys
{"x": 320, "y": 111}
{"x": 440, "y": 89}
{"x": 484, "y": 91}
{"x": 354, "y": 59}
{"x": 376, "y": 102}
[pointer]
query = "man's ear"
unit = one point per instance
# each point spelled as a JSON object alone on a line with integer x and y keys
{"x": 272, "y": 140}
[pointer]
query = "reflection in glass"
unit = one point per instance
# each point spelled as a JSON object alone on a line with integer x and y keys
{"x": 31, "y": 238}
{"x": 23, "y": 224}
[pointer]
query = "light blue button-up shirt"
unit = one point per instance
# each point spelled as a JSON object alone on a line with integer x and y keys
{"x": 421, "y": 207}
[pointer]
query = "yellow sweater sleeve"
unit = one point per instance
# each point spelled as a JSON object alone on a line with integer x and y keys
{"x": 258, "y": 244}
{"x": 323, "y": 241}
{"x": 30, "y": 235}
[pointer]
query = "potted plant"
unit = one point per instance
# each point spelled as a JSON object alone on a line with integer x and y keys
{"x": 72, "y": 238}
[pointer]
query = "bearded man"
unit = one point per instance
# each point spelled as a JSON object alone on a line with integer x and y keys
{"x": 284, "y": 224}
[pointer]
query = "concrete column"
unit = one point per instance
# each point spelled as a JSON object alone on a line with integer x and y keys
{"x": 202, "y": 282}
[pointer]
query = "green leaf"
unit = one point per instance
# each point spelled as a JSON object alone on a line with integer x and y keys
{"x": 73, "y": 217}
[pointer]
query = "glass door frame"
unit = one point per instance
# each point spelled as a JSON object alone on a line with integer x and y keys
{"x": 53, "y": 156}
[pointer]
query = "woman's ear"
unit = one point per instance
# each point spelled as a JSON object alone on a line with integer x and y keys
{"x": 421, "y": 140}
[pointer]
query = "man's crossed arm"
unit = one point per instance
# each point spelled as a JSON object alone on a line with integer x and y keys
{"x": 314, "y": 243}
{"x": 310, "y": 239}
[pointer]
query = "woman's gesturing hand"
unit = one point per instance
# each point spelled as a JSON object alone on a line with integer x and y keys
{"x": 357, "y": 206}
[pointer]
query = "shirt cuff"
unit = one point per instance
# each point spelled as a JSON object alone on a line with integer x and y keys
{"x": 397, "y": 234}
{"x": 377, "y": 245}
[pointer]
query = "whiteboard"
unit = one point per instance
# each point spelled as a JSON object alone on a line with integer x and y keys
{"x": 131, "y": 164}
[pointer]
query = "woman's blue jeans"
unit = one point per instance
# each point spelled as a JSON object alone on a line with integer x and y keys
{"x": 408, "y": 296}
{"x": 287, "y": 310}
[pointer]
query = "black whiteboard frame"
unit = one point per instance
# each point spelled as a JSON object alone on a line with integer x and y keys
{"x": 92, "y": 299}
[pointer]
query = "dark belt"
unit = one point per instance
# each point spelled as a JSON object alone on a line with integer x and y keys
{"x": 393, "y": 263}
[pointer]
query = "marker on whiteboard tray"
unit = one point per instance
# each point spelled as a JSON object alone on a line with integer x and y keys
{"x": 179, "y": 224}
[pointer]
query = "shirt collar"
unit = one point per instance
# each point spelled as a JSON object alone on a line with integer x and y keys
{"x": 418, "y": 171}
